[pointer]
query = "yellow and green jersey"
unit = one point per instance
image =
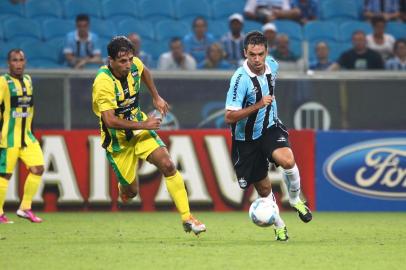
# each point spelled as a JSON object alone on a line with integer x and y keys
{"x": 122, "y": 96}
{"x": 16, "y": 111}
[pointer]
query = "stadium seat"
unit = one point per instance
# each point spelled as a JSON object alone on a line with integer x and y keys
{"x": 290, "y": 28}
{"x": 6, "y": 7}
{"x": 396, "y": 29}
{"x": 57, "y": 44}
{"x": 321, "y": 30}
{"x": 218, "y": 28}
{"x": 40, "y": 9}
{"x": 252, "y": 26}
{"x": 41, "y": 55}
{"x": 349, "y": 27}
{"x": 339, "y": 10}
{"x": 57, "y": 28}
{"x": 21, "y": 28}
{"x": 1, "y": 32}
{"x": 75, "y": 7}
{"x": 167, "y": 29}
{"x": 296, "y": 47}
{"x": 335, "y": 48}
{"x": 111, "y": 10}
{"x": 155, "y": 49}
{"x": 103, "y": 46}
{"x": 143, "y": 28}
{"x": 156, "y": 10}
{"x": 192, "y": 9}
{"x": 222, "y": 9}
{"x": 103, "y": 28}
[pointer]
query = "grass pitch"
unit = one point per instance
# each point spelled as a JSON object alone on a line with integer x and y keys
{"x": 129, "y": 240}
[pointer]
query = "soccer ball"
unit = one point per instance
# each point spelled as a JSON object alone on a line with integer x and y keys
{"x": 263, "y": 212}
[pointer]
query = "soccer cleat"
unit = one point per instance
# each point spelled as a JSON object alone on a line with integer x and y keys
{"x": 304, "y": 212}
{"x": 281, "y": 234}
{"x": 5, "y": 220}
{"x": 28, "y": 214}
{"x": 193, "y": 225}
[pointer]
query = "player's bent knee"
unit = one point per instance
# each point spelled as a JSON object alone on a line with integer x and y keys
{"x": 288, "y": 163}
{"x": 167, "y": 167}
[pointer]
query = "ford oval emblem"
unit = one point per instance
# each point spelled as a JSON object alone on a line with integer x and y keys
{"x": 375, "y": 168}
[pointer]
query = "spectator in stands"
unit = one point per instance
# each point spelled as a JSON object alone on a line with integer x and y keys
{"x": 196, "y": 43}
{"x": 82, "y": 46}
{"x": 176, "y": 58}
{"x": 309, "y": 10}
{"x": 269, "y": 10}
{"x": 378, "y": 40}
{"x": 214, "y": 58}
{"x": 398, "y": 62}
{"x": 389, "y": 9}
{"x": 402, "y": 8}
{"x": 233, "y": 41}
{"x": 270, "y": 32}
{"x": 282, "y": 51}
{"x": 146, "y": 58}
{"x": 322, "y": 53}
{"x": 359, "y": 57}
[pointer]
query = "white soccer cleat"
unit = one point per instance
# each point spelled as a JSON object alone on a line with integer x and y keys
{"x": 193, "y": 225}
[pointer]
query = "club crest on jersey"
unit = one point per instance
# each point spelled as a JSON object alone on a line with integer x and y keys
{"x": 134, "y": 73}
{"x": 255, "y": 89}
{"x": 243, "y": 183}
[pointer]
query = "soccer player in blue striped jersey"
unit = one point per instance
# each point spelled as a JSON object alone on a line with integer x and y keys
{"x": 259, "y": 137}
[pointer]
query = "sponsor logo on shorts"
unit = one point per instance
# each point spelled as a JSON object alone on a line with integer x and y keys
{"x": 281, "y": 139}
{"x": 243, "y": 183}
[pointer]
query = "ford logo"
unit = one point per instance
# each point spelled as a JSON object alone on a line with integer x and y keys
{"x": 375, "y": 168}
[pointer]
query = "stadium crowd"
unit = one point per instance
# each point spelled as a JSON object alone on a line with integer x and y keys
{"x": 180, "y": 35}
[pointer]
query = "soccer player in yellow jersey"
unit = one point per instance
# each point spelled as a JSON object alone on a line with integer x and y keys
{"x": 17, "y": 140}
{"x": 127, "y": 133}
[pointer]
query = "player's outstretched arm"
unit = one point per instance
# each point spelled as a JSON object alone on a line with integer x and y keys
{"x": 112, "y": 121}
{"x": 235, "y": 116}
{"x": 160, "y": 104}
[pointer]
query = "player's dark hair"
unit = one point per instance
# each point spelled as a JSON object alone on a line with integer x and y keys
{"x": 82, "y": 17}
{"x": 15, "y": 50}
{"x": 255, "y": 38}
{"x": 377, "y": 19}
{"x": 119, "y": 44}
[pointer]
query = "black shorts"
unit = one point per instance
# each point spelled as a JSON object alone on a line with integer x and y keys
{"x": 251, "y": 158}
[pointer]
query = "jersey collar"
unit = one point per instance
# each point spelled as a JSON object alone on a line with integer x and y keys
{"x": 252, "y": 74}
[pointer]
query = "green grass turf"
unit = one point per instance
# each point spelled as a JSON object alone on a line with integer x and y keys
{"x": 129, "y": 240}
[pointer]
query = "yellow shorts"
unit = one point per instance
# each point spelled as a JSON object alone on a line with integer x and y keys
{"x": 125, "y": 162}
{"x": 30, "y": 155}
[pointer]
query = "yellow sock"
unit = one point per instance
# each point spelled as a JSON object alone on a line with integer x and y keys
{"x": 30, "y": 188}
{"x": 3, "y": 192}
{"x": 176, "y": 188}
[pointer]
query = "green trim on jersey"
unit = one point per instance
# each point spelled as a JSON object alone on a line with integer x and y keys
{"x": 3, "y": 160}
{"x": 121, "y": 179}
{"x": 12, "y": 120}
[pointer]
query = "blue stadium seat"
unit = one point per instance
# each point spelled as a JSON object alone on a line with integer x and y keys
{"x": 252, "y": 26}
{"x": 41, "y": 55}
{"x": 143, "y": 28}
{"x": 218, "y": 28}
{"x": 40, "y": 9}
{"x": 103, "y": 28}
{"x": 221, "y": 9}
{"x": 57, "y": 28}
{"x": 396, "y": 29}
{"x": 335, "y": 48}
{"x": 75, "y": 7}
{"x": 7, "y": 7}
{"x": 321, "y": 30}
{"x": 339, "y": 10}
{"x": 349, "y": 27}
{"x": 1, "y": 32}
{"x": 155, "y": 48}
{"x": 111, "y": 10}
{"x": 103, "y": 46}
{"x": 155, "y": 10}
{"x": 57, "y": 44}
{"x": 167, "y": 29}
{"x": 290, "y": 28}
{"x": 192, "y": 9}
{"x": 296, "y": 47}
{"x": 21, "y": 28}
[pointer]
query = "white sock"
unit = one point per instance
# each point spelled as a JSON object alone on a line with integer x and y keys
{"x": 292, "y": 181}
{"x": 279, "y": 223}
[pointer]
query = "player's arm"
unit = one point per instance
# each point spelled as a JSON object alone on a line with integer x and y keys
{"x": 160, "y": 104}
{"x": 233, "y": 116}
{"x": 112, "y": 121}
